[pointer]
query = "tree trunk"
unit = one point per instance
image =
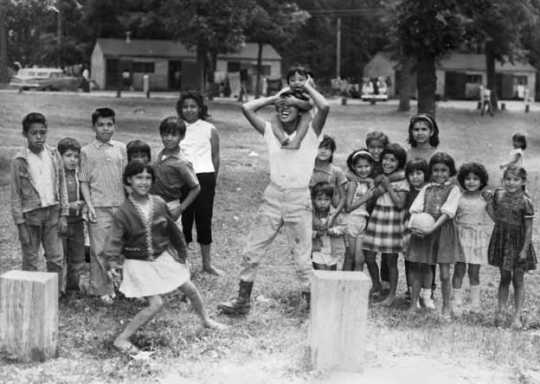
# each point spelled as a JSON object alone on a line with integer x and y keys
{"x": 426, "y": 83}
{"x": 491, "y": 76}
{"x": 4, "y": 76}
{"x": 405, "y": 84}
{"x": 211, "y": 75}
{"x": 259, "y": 69}
{"x": 202, "y": 62}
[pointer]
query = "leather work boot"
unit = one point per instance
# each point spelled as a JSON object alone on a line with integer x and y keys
{"x": 239, "y": 305}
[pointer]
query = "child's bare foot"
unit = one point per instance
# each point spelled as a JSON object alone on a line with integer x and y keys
{"x": 213, "y": 270}
{"x": 388, "y": 301}
{"x": 212, "y": 324}
{"x": 499, "y": 318}
{"x": 516, "y": 323}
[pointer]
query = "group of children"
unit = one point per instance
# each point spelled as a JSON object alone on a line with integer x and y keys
{"x": 416, "y": 203}
{"x": 132, "y": 210}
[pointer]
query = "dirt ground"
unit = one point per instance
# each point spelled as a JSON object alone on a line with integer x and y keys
{"x": 269, "y": 345}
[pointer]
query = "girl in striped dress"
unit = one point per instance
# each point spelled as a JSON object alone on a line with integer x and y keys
{"x": 384, "y": 232}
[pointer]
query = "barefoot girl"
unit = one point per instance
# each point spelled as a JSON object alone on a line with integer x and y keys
{"x": 438, "y": 244}
{"x": 474, "y": 227}
{"x": 327, "y": 236}
{"x": 510, "y": 247}
{"x": 154, "y": 250}
{"x": 417, "y": 174}
{"x": 423, "y": 137}
{"x": 360, "y": 164}
{"x": 384, "y": 232}
{"x": 325, "y": 170}
{"x": 200, "y": 145}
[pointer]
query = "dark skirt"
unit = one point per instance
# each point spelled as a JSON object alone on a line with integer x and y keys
{"x": 441, "y": 247}
{"x": 505, "y": 246}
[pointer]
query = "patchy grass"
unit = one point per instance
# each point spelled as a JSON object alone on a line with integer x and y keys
{"x": 268, "y": 345}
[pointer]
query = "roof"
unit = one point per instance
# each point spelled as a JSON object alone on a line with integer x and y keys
{"x": 175, "y": 49}
{"x": 477, "y": 62}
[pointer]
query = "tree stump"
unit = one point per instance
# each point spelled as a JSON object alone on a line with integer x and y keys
{"x": 29, "y": 315}
{"x": 339, "y": 307}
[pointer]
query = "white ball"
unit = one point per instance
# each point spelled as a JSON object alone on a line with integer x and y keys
{"x": 423, "y": 221}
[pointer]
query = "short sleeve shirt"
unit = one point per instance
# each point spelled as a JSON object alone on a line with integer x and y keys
{"x": 102, "y": 166}
{"x": 173, "y": 174}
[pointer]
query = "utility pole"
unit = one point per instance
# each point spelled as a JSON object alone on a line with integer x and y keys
{"x": 338, "y": 48}
{"x": 4, "y": 76}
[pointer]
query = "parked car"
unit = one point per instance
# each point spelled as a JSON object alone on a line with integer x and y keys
{"x": 374, "y": 90}
{"x": 46, "y": 79}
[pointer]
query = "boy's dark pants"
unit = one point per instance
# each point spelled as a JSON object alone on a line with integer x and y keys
{"x": 42, "y": 226}
{"x": 74, "y": 251}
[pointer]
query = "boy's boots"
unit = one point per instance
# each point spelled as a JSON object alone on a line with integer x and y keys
{"x": 475, "y": 297}
{"x": 241, "y": 304}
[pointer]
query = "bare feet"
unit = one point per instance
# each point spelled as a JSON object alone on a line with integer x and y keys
{"x": 213, "y": 270}
{"x": 516, "y": 323}
{"x": 212, "y": 324}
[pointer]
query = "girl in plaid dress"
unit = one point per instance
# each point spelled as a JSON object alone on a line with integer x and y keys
{"x": 384, "y": 232}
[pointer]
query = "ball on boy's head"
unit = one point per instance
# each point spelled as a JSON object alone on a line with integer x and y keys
{"x": 423, "y": 221}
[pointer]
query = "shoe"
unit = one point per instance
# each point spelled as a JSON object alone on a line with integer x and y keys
{"x": 240, "y": 305}
{"x": 426, "y": 298}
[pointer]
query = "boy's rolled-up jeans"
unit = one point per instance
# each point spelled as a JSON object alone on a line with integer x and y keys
{"x": 282, "y": 207}
{"x": 42, "y": 226}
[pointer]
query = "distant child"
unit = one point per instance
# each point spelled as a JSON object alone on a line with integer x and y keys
{"x": 519, "y": 144}
{"x": 38, "y": 199}
{"x": 423, "y": 137}
{"x": 138, "y": 150}
{"x": 102, "y": 164}
{"x": 385, "y": 228}
{"x": 417, "y": 174}
{"x": 438, "y": 244}
{"x": 153, "y": 264}
{"x": 174, "y": 173}
{"x": 327, "y": 235}
{"x": 360, "y": 164}
{"x": 297, "y": 76}
{"x": 474, "y": 227}
{"x": 510, "y": 247}
{"x": 325, "y": 170}
{"x": 73, "y": 239}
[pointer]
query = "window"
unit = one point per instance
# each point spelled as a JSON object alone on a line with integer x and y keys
{"x": 233, "y": 66}
{"x": 477, "y": 79}
{"x": 520, "y": 80}
{"x": 143, "y": 67}
{"x": 265, "y": 69}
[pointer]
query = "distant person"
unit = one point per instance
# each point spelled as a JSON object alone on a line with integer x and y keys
{"x": 102, "y": 164}
{"x": 485, "y": 101}
{"x": 38, "y": 200}
{"x": 517, "y": 154}
{"x": 73, "y": 239}
{"x": 86, "y": 80}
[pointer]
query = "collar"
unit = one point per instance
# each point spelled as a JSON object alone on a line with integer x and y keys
{"x": 98, "y": 144}
{"x": 24, "y": 152}
{"x": 448, "y": 182}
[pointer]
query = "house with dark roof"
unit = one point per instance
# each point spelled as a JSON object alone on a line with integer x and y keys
{"x": 170, "y": 65}
{"x": 459, "y": 76}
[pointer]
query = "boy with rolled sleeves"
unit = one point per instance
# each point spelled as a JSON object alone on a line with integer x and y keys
{"x": 38, "y": 198}
{"x": 102, "y": 165}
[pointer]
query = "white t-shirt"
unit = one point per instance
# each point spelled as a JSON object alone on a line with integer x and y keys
{"x": 42, "y": 171}
{"x": 197, "y": 147}
{"x": 291, "y": 168}
{"x": 519, "y": 153}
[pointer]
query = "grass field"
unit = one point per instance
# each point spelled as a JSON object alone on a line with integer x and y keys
{"x": 268, "y": 346}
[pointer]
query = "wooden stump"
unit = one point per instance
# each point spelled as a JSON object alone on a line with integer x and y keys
{"x": 29, "y": 315}
{"x": 339, "y": 306}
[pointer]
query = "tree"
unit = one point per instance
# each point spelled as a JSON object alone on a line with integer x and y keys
{"x": 273, "y": 22}
{"x": 427, "y": 30}
{"x": 498, "y": 26}
{"x": 4, "y": 76}
{"x": 211, "y": 27}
